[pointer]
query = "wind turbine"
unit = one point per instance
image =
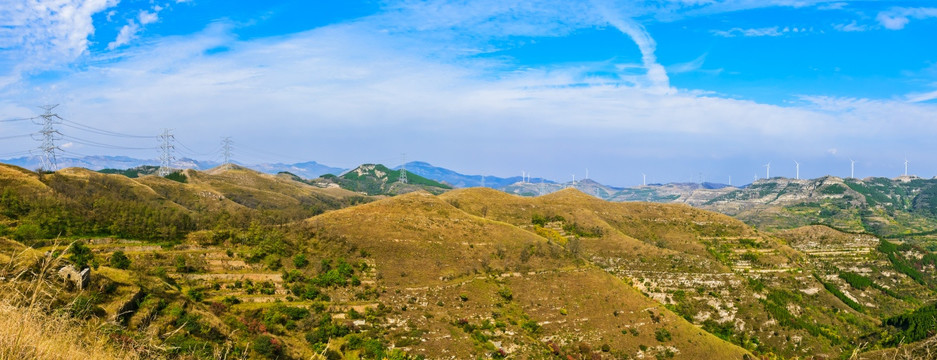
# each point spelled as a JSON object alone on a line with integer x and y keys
{"x": 905, "y": 166}
{"x": 797, "y": 170}
{"x": 644, "y": 177}
{"x": 768, "y": 170}
{"x": 852, "y": 168}
{"x": 587, "y": 173}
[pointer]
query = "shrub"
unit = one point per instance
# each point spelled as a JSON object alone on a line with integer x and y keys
{"x": 81, "y": 255}
{"x": 28, "y": 231}
{"x": 531, "y": 326}
{"x": 505, "y": 294}
{"x": 267, "y": 347}
{"x": 119, "y": 260}
{"x": 300, "y": 261}
{"x": 195, "y": 294}
{"x": 662, "y": 335}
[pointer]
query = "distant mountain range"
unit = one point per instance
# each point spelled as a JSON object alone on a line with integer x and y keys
{"x": 308, "y": 170}
{"x": 458, "y": 180}
{"x": 672, "y": 192}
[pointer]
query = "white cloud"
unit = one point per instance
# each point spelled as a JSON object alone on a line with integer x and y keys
{"x": 405, "y": 80}
{"x": 767, "y": 31}
{"x": 129, "y": 32}
{"x": 922, "y": 97}
{"x": 125, "y": 36}
{"x": 897, "y": 18}
{"x": 833, "y": 6}
{"x": 347, "y": 84}
{"x": 686, "y": 67}
{"x": 147, "y": 17}
{"x": 851, "y": 27}
{"x": 656, "y": 74}
{"x": 40, "y": 34}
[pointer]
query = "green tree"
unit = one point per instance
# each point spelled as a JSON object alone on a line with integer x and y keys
{"x": 81, "y": 255}
{"x": 300, "y": 261}
{"x": 119, "y": 260}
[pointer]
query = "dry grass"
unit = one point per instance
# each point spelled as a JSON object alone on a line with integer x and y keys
{"x": 29, "y": 333}
{"x": 30, "y": 329}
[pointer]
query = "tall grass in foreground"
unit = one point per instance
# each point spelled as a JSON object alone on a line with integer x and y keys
{"x": 30, "y": 328}
{"x": 28, "y": 333}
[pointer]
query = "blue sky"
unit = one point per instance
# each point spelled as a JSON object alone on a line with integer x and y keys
{"x": 675, "y": 89}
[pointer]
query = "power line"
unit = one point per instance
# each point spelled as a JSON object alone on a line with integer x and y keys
{"x": 103, "y": 145}
{"x": 27, "y": 152}
{"x": 94, "y": 130}
{"x": 19, "y": 119}
{"x": 16, "y": 136}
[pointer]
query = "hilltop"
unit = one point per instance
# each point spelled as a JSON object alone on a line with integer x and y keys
{"x": 886, "y": 207}
{"x": 76, "y": 202}
{"x": 377, "y": 179}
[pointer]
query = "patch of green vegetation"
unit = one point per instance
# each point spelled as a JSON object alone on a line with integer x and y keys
{"x": 119, "y": 260}
{"x": 132, "y": 172}
{"x": 834, "y": 189}
{"x": 177, "y": 176}
{"x": 840, "y": 295}
{"x": 541, "y": 220}
{"x": 914, "y": 326}
{"x": 901, "y": 264}
{"x": 857, "y": 281}
{"x": 578, "y": 230}
{"x": 372, "y": 183}
{"x": 776, "y": 305}
{"x": 81, "y": 256}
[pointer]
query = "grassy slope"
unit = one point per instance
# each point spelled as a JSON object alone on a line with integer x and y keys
{"x": 431, "y": 250}
{"x": 708, "y": 266}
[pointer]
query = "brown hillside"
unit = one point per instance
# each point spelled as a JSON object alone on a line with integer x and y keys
{"x": 446, "y": 267}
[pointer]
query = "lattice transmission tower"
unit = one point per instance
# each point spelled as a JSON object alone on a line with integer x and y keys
{"x": 166, "y": 148}
{"x": 403, "y": 170}
{"x": 47, "y": 138}
{"x": 226, "y": 149}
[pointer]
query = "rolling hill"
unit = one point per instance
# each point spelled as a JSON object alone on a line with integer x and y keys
{"x": 377, "y": 179}
{"x": 234, "y": 263}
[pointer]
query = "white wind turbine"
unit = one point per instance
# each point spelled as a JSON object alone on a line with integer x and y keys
{"x": 768, "y": 170}
{"x": 796, "y": 170}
